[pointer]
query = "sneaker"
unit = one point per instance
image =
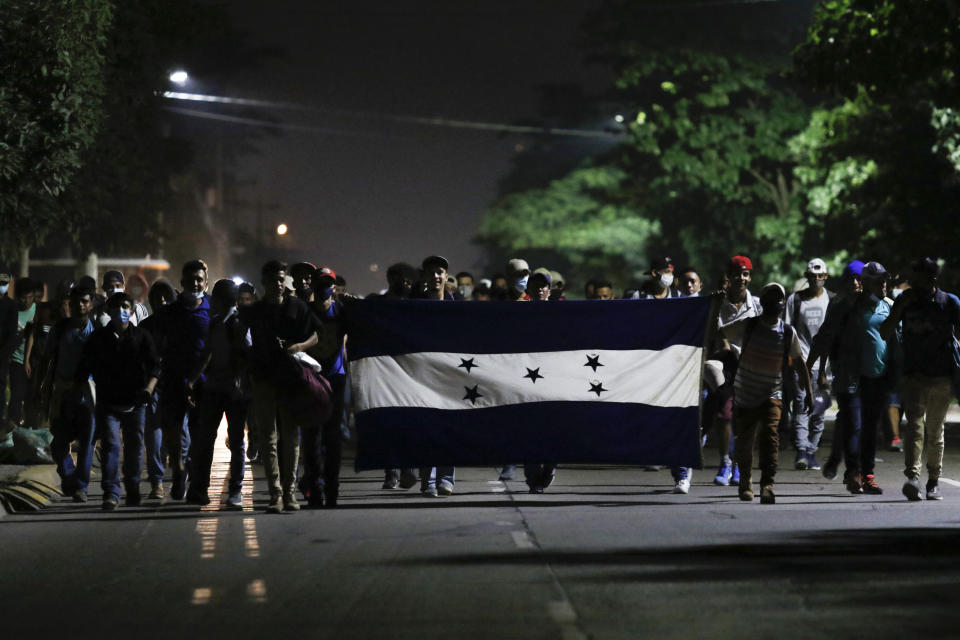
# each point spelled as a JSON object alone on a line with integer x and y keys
{"x": 911, "y": 489}
{"x": 235, "y": 500}
{"x": 746, "y": 494}
{"x": 870, "y": 486}
{"x": 830, "y": 468}
{"x": 179, "y": 488}
{"x": 156, "y": 491}
{"x": 682, "y": 486}
{"x": 330, "y": 501}
{"x": 725, "y": 473}
{"x": 429, "y": 492}
{"x": 79, "y": 495}
{"x": 110, "y": 503}
{"x": 854, "y": 483}
{"x": 290, "y": 502}
{"x": 933, "y": 490}
{"x": 767, "y": 496}
{"x": 896, "y": 445}
{"x": 801, "y": 463}
{"x": 735, "y": 478}
{"x": 507, "y": 472}
{"x": 535, "y": 488}
{"x": 408, "y": 479}
{"x": 276, "y": 503}
{"x": 812, "y": 463}
{"x": 445, "y": 489}
{"x": 133, "y": 499}
{"x": 391, "y": 483}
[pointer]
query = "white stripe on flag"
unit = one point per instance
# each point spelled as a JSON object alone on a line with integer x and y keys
{"x": 666, "y": 378}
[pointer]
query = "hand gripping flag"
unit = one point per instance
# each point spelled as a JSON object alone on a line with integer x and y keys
{"x": 489, "y": 383}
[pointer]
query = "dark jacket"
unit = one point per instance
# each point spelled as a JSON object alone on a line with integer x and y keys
{"x": 120, "y": 364}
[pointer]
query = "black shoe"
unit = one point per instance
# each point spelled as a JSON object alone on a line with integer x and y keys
{"x": 133, "y": 499}
{"x": 110, "y": 503}
{"x": 179, "y": 488}
{"x": 330, "y": 501}
{"x": 201, "y": 498}
{"x": 536, "y": 489}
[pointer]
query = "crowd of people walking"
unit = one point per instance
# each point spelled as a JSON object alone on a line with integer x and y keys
{"x": 153, "y": 382}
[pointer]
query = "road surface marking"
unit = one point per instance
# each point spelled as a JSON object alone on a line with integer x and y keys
{"x": 522, "y": 540}
{"x": 201, "y": 596}
{"x": 952, "y": 483}
{"x": 257, "y": 591}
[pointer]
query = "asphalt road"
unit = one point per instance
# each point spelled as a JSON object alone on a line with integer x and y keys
{"x": 607, "y": 552}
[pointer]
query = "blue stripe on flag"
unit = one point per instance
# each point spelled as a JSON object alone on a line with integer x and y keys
{"x": 559, "y": 432}
{"x": 395, "y": 327}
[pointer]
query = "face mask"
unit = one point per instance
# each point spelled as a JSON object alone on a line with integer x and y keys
{"x": 520, "y": 284}
{"x": 121, "y": 316}
{"x": 193, "y": 295}
{"x": 774, "y": 310}
{"x": 896, "y": 293}
{"x": 666, "y": 279}
{"x": 3, "y": 289}
{"x": 816, "y": 284}
{"x": 114, "y": 290}
{"x": 466, "y": 290}
{"x": 327, "y": 293}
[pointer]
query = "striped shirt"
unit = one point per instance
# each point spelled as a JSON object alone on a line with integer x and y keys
{"x": 760, "y": 373}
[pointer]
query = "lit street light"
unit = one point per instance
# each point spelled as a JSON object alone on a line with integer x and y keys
{"x": 282, "y": 229}
{"x": 179, "y": 77}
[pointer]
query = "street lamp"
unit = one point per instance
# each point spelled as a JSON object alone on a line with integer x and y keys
{"x": 179, "y": 77}
{"x": 282, "y": 229}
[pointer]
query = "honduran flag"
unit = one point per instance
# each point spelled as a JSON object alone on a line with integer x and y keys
{"x": 490, "y": 383}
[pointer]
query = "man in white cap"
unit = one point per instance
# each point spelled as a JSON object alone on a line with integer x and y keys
{"x": 805, "y": 312}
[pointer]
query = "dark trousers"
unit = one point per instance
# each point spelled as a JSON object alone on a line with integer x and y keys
{"x": 71, "y": 420}
{"x": 176, "y": 417}
{"x": 848, "y": 432}
{"x": 203, "y": 438}
{"x": 322, "y": 445}
{"x": 760, "y": 424}
{"x": 18, "y": 390}
{"x": 539, "y": 476}
{"x": 874, "y": 395}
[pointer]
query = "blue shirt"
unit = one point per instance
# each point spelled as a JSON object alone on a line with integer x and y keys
{"x": 928, "y": 329}
{"x": 870, "y": 313}
{"x": 183, "y": 329}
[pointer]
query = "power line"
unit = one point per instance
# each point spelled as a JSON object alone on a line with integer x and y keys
{"x": 418, "y": 120}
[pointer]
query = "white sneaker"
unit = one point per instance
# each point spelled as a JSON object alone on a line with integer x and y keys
{"x": 682, "y": 486}
{"x": 235, "y": 500}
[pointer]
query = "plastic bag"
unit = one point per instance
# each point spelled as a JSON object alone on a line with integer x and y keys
{"x": 32, "y": 446}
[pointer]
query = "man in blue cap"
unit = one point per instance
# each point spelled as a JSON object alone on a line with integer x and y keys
{"x": 837, "y": 342}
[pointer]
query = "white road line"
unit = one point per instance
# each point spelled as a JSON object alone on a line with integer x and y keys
{"x": 257, "y": 591}
{"x": 522, "y": 540}
{"x": 952, "y": 483}
{"x": 563, "y": 614}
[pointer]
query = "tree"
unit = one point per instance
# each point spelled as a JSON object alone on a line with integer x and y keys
{"x": 880, "y": 162}
{"x": 51, "y": 88}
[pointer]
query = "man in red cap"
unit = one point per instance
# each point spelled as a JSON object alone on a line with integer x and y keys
{"x": 738, "y": 304}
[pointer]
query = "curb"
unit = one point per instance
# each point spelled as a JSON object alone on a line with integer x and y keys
{"x": 28, "y": 488}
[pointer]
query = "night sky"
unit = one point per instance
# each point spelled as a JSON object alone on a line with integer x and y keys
{"x": 381, "y": 192}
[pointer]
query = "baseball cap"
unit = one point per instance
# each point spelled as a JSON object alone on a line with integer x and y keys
{"x": 659, "y": 264}
{"x": 517, "y": 266}
{"x": 301, "y": 267}
{"x": 435, "y": 260}
{"x": 539, "y": 279}
{"x": 773, "y": 286}
{"x": 4, "y": 277}
{"x": 854, "y": 268}
{"x": 557, "y": 279}
{"x": 325, "y": 272}
{"x": 739, "y": 263}
{"x": 873, "y": 270}
{"x": 816, "y": 266}
{"x": 112, "y": 274}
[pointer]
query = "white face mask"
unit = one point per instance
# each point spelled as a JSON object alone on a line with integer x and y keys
{"x": 666, "y": 279}
{"x": 520, "y": 284}
{"x": 114, "y": 290}
{"x": 4, "y": 288}
{"x": 466, "y": 290}
{"x": 193, "y": 295}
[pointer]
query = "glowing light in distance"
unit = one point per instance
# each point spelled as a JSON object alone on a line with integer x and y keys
{"x": 618, "y": 118}
{"x": 237, "y": 280}
{"x": 282, "y": 229}
{"x": 179, "y": 77}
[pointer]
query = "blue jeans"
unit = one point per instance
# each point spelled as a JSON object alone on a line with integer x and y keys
{"x": 153, "y": 440}
{"x": 175, "y": 419}
{"x": 110, "y": 424}
{"x": 847, "y": 432}
{"x": 71, "y": 420}
{"x": 429, "y": 476}
{"x": 203, "y": 436}
{"x": 874, "y": 394}
{"x": 807, "y": 429}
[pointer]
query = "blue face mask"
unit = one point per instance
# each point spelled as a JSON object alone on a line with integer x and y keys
{"x": 326, "y": 294}
{"x": 520, "y": 284}
{"x": 122, "y": 316}
{"x": 3, "y": 289}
